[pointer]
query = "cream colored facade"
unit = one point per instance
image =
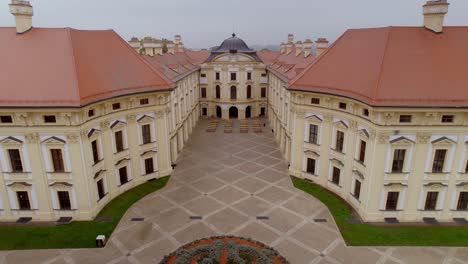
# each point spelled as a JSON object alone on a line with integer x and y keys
{"x": 292, "y": 114}
{"x": 233, "y": 94}
{"x": 169, "y": 115}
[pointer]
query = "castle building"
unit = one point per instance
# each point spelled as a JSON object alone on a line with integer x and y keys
{"x": 379, "y": 117}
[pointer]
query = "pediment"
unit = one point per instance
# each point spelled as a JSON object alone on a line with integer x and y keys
{"x": 312, "y": 153}
{"x": 122, "y": 161}
{"x": 118, "y": 124}
{"x": 93, "y": 132}
{"x": 11, "y": 141}
{"x": 54, "y": 141}
{"x": 443, "y": 141}
{"x": 145, "y": 118}
{"x": 402, "y": 141}
{"x": 337, "y": 162}
{"x": 358, "y": 174}
{"x": 148, "y": 153}
{"x": 435, "y": 185}
{"x": 363, "y": 133}
{"x": 314, "y": 118}
{"x": 341, "y": 124}
{"x": 19, "y": 184}
{"x": 62, "y": 184}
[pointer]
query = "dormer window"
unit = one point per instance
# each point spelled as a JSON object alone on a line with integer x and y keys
{"x": 49, "y": 119}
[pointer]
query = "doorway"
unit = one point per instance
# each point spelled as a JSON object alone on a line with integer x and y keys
{"x": 219, "y": 112}
{"x": 233, "y": 112}
{"x": 248, "y": 112}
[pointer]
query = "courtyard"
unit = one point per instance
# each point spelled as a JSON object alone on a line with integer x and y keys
{"x": 238, "y": 184}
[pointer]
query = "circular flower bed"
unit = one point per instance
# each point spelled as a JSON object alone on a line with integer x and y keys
{"x": 225, "y": 250}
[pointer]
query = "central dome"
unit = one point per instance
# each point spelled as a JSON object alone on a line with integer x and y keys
{"x": 233, "y": 45}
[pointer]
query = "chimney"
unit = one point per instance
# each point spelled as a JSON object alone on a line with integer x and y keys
{"x": 23, "y": 12}
{"x": 289, "y": 46}
{"x": 290, "y": 38}
{"x": 282, "y": 48}
{"x": 307, "y": 47}
{"x": 434, "y": 13}
{"x": 322, "y": 45}
{"x": 179, "y": 46}
{"x": 298, "y": 47}
{"x": 177, "y": 39}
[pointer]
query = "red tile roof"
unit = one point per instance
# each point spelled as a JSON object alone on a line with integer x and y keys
{"x": 65, "y": 67}
{"x": 286, "y": 66}
{"x": 176, "y": 66}
{"x": 394, "y": 66}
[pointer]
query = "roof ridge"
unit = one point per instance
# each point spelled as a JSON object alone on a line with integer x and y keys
{"x": 147, "y": 64}
{"x": 316, "y": 60}
{"x": 376, "y": 88}
{"x": 75, "y": 69}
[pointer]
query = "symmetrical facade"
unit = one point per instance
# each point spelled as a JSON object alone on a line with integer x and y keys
{"x": 379, "y": 118}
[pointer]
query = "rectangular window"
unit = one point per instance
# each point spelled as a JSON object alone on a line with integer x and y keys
{"x": 264, "y": 75}
{"x": 15, "y": 160}
{"x": 90, "y": 113}
{"x": 115, "y": 106}
{"x": 119, "y": 141}
{"x": 146, "y": 133}
{"x": 64, "y": 200}
{"x": 233, "y": 76}
{"x": 310, "y": 166}
{"x": 149, "y": 166}
{"x": 218, "y": 76}
{"x": 249, "y": 76}
{"x": 339, "y": 141}
{"x": 203, "y": 92}
{"x": 439, "y": 160}
{"x": 462, "y": 204}
{"x": 342, "y": 106}
{"x": 204, "y": 111}
{"x": 263, "y": 92}
{"x": 100, "y": 189}
{"x": 57, "y": 160}
{"x": 405, "y": 118}
{"x": 313, "y": 134}
{"x": 6, "y": 119}
{"x": 398, "y": 160}
{"x": 466, "y": 167}
{"x": 49, "y": 119}
{"x": 447, "y": 118}
{"x": 362, "y": 151}
{"x": 94, "y": 147}
{"x": 203, "y": 75}
{"x": 249, "y": 92}
{"x": 23, "y": 200}
{"x": 315, "y": 101}
{"x": 357, "y": 189}
{"x": 336, "y": 176}
{"x": 431, "y": 201}
{"x": 365, "y": 112}
{"x": 123, "y": 175}
{"x": 144, "y": 101}
{"x": 392, "y": 201}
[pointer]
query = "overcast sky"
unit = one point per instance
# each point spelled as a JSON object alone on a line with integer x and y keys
{"x": 205, "y": 23}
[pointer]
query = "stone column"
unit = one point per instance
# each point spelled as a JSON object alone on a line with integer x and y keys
{"x": 162, "y": 140}
{"x": 326, "y": 143}
{"x": 132, "y": 138}
{"x": 108, "y": 156}
{"x": 349, "y": 158}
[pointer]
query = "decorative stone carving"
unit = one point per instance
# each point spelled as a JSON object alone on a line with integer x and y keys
{"x": 353, "y": 125}
{"x": 383, "y": 137}
{"x": 423, "y": 138}
{"x": 32, "y": 137}
{"x": 73, "y": 138}
{"x": 328, "y": 118}
{"x": 131, "y": 118}
{"x": 372, "y": 134}
{"x": 105, "y": 125}
{"x": 159, "y": 114}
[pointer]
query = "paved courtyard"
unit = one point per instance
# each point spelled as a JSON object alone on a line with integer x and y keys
{"x": 229, "y": 180}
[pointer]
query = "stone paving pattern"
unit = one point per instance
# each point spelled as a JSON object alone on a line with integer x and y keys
{"x": 229, "y": 180}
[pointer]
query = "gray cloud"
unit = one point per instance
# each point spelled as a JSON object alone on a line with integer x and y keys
{"x": 205, "y": 23}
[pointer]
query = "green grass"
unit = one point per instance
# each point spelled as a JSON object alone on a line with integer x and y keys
{"x": 79, "y": 234}
{"x": 371, "y": 235}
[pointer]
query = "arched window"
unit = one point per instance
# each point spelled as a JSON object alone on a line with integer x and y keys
{"x": 218, "y": 92}
{"x": 249, "y": 91}
{"x": 233, "y": 93}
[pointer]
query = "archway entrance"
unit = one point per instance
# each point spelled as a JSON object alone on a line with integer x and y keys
{"x": 219, "y": 112}
{"x": 233, "y": 112}
{"x": 248, "y": 113}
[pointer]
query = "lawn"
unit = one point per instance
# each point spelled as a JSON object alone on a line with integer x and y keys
{"x": 79, "y": 234}
{"x": 370, "y": 235}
